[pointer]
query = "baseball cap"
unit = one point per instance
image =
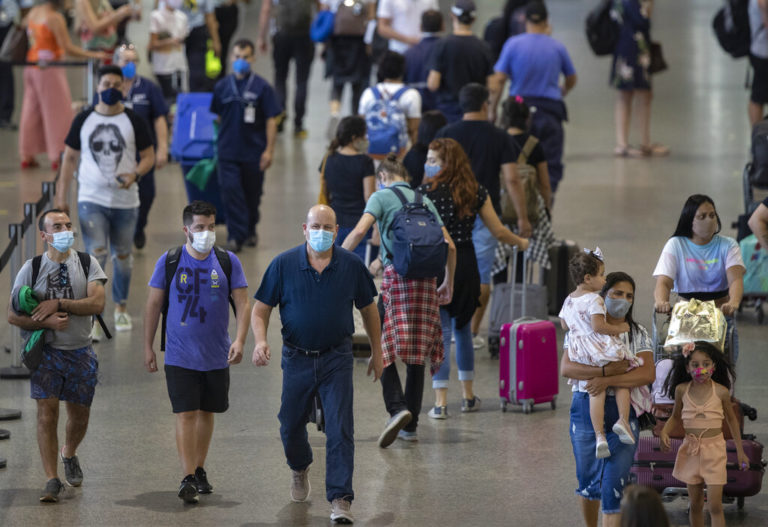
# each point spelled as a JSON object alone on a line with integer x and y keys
{"x": 463, "y": 7}
{"x": 536, "y": 12}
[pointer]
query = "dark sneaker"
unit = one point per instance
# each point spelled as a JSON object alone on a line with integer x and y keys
{"x": 300, "y": 133}
{"x": 201, "y": 481}
{"x": 300, "y": 486}
{"x": 405, "y": 435}
{"x": 396, "y": 423}
{"x": 233, "y": 246}
{"x": 470, "y": 405}
{"x": 340, "y": 511}
{"x": 188, "y": 490}
{"x": 140, "y": 240}
{"x": 53, "y": 488}
{"x": 252, "y": 240}
{"x": 72, "y": 472}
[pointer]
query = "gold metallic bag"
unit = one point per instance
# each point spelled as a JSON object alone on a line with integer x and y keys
{"x": 696, "y": 320}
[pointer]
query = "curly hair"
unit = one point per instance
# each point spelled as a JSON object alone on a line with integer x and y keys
{"x": 723, "y": 373}
{"x": 583, "y": 264}
{"x": 457, "y": 174}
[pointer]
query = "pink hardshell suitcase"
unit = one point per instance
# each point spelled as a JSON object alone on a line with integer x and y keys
{"x": 653, "y": 468}
{"x": 528, "y": 369}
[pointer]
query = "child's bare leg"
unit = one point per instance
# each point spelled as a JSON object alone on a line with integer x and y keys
{"x": 623, "y": 402}
{"x": 597, "y": 413}
{"x": 715, "y": 505}
{"x": 696, "y": 501}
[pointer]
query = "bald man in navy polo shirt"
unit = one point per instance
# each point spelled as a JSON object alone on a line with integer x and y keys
{"x": 316, "y": 285}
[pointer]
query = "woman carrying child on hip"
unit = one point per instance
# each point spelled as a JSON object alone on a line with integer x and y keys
{"x": 594, "y": 342}
{"x": 701, "y": 381}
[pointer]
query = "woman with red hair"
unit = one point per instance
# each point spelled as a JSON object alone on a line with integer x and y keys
{"x": 459, "y": 198}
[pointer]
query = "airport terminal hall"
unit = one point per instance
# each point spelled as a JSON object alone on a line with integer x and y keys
{"x": 383, "y": 262}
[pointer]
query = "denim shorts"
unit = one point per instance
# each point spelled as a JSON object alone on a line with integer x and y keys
{"x": 600, "y": 479}
{"x": 67, "y": 375}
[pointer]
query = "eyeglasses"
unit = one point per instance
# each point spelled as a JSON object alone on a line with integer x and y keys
{"x": 63, "y": 274}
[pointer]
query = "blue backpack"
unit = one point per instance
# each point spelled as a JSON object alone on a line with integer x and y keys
{"x": 418, "y": 245}
{"x": 386, "y": 123}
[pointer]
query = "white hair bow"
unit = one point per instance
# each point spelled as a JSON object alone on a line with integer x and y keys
{"x": 597, "y": 253}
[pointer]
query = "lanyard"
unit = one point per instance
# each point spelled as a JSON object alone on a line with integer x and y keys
{"x": 247, "y": 86}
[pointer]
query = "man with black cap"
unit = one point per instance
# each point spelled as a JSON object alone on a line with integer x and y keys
{"x": 533, "y": 62}
{"x": 458, "y": 60}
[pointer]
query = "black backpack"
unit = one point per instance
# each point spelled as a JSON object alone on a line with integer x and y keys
{"x": 293, "y": 17}
{"x": 731, "y": 25}
{"x": 602, "y": 29}
{"x": 85, "y": 263}
{"x": 172, "y": 263}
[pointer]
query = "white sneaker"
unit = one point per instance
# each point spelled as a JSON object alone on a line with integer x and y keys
{"x": 478, "y": 342}
{"x": 123, "y": 321}
{"x": 97, "y": 334}
{"x": 601, "y": 448}
{"x": 625, "y": 435}
{"x": 340, "y": 512}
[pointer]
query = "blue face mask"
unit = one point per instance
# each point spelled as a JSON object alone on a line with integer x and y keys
{"x": 320, "y": 240}
{"x": 63, "y": 240}
{"x": 617, "y": 307}
{"x": 380, "y": 185}
{"x": 431, "y": 171}
{"x": 129, "y": 70}
{"x": 241, "y": 66}
{"x": 111, "y": 96}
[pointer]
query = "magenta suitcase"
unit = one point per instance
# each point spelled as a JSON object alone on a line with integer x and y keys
{"x": 653, "y": 468}
{"x": 528, "y": 369}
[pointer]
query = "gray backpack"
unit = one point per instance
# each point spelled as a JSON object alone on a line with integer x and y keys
{"x": 293, "y": 17}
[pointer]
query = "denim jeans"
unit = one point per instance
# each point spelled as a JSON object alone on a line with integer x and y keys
{"x": 396, "y": 400}
{"x": 485, "y": 249}
{"x": 600, "y": 479}
{"x": 103, "y": 225}
{"x": 465, "y": 353}
{"x": 330, "y": 375}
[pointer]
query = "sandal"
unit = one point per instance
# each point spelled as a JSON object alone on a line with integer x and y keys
{"x": 652, "y": 150}
{"x": 29, "y": 163}
{"x": 621, "y": 151}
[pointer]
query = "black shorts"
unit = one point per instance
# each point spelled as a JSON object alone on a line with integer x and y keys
{"x": 759, "y": 93}
{"x": 192, "y": 390}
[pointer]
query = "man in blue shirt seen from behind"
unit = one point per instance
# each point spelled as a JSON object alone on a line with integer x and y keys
{"x": 198, "y": 351}
{"x": 316, "y": 286}
{"x": 247, "y": 107}
{"x": 533, "y": 62}
{"x": 146, "y": 99}
{"x": 417, "y": 58}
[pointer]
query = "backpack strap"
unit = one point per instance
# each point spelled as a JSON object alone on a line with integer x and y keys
{"x": 85, "y": 263}
{"x": 526, "y": 150}
{"x": 36, "y": 262}
{"x": 399, "y": 93}
{"x": 376, "y": 93}
{"x": 226, "y": 265}
{"x": 172, "y": 258}
{"x": 417, "y": 198}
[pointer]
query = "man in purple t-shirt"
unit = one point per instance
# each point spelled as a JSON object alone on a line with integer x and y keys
{"x": 198, "y": 350}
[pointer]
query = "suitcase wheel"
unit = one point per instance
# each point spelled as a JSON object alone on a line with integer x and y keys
{"x": 527, "y": 408}
{"x": 503, "y": 405}
{"x": 553, "y": 403}
{"x": 740, "y": 502}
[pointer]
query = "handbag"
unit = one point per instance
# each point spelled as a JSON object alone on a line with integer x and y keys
{"x": 14, "y": 47}
{"x": 658, "y": 64}
{"x": 322, "y": 197}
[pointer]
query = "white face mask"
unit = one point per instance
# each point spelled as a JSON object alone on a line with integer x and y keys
{"x": 204, "y": 241}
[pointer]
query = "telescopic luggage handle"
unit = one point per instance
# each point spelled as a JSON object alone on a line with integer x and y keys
{"x": 514, "y": 282}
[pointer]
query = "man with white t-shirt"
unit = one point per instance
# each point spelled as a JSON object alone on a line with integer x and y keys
{"x": 400, "y": 21}
{"x": 102, "y": 144}
{"x": 391, "y": 71}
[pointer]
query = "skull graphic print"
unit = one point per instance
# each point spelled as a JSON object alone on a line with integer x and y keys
{"x": 107, "y": 145}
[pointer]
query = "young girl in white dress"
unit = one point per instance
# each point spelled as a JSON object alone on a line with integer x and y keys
{"x": 594, "y": 342}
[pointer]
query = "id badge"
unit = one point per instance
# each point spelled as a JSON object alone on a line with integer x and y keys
{"x": 250, "y": 114}
{"x": 128, "y": 104}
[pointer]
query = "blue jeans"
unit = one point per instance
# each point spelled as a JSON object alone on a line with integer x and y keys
{"x": 103, "y": 225}
{"x": 465, "y": 353}
{"x": 330, "y": 375}
{"x": 600, "y": 479}
{"x": 241, "y": 185}
{"x": 485, "y": 249}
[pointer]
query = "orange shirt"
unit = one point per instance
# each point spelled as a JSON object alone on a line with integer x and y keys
{"x": 42, "y": 44}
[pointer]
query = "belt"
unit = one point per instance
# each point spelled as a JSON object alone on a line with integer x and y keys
{"x": 313, "y": 353}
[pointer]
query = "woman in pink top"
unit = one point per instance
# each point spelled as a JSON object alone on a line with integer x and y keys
{"x": 46, "y": 110}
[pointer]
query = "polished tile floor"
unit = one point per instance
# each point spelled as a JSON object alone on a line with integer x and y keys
{"x": 488, "y": 468}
